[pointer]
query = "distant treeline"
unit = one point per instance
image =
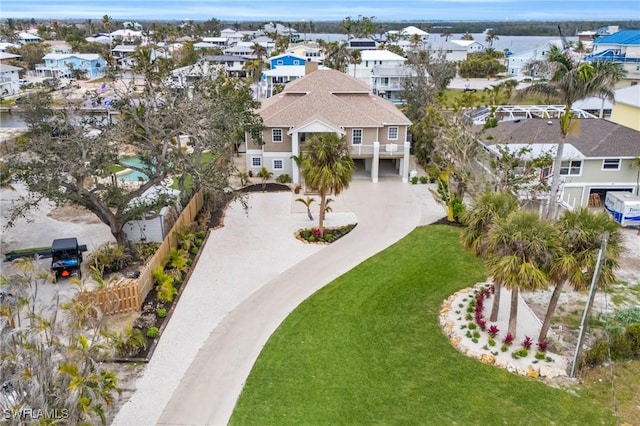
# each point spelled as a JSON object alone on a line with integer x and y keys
{"x": 213, "y": 25}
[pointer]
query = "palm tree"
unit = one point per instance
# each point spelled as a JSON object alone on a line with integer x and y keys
{"x": 307, "y": 203}
{"x": 491, "y": 37}
{"x": 487, "y": 208}
{"x": 264, "y": 174}
{"x": 327, "y": 168}
{"x": 580, "y": 234}
{"x": 570, "y": 82}
{"x": 446, "y": 33}
{"x": 466, "y": 36}
{"x": 355, "y": 58}
{"x": 347, "y": 25}
{"x": 522, "y": 248}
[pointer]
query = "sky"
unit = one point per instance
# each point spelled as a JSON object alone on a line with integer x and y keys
{"x": 314, "y": 10}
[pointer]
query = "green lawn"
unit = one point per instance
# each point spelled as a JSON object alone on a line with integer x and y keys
{"x": 367, "y": 349}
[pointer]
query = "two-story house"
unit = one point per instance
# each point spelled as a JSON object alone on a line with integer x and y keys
{"x": 62, "y": 65}
{"x": 232, "y": 65}
{"x": 326, "y": 100}
{"x": 623, "y": 48}
{"x": 311, "y": 51}
{"x": 518, "y": 62}
{"x": 9, "y": 79}
{"x": 598, "y": 155}
{"x": 384, "y": 71}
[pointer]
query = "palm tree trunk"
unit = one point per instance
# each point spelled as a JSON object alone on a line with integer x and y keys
{"x": 552, "y": 209}
{"x": 553, "y": 303}
{"x": 513, "y": 315}
{"x": 495, "y": 308}
{"x": 323, "y": 204}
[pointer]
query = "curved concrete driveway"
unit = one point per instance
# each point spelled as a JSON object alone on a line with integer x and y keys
{"x": 207, "y": 392}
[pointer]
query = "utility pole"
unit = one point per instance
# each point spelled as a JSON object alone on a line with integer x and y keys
{"x": 587, "y": 309}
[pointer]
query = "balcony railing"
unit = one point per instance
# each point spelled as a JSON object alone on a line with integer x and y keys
{"x": 388, "y": 149}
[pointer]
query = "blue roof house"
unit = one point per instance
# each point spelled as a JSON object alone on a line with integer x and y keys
{"x": 286, "y": 59}
{"x": 622, "y": 47}
{"x": 62, "y": 65}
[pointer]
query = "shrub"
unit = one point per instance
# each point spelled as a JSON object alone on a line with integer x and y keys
{"x": 476, "y": 334}
{"x": 633, "y": 334}
{"x": 110, "y": 258}
{"x": 504, "y": 348}
{"x": 472, "y": 326}
{"x": 144, "y": 250}
{"x": 540, "y": 355}
{"x": 424, "y": 179}
{"x": 161, "y": 312}
{"x": 414, "y": 180}
{"x": 520, "y": 353}
{"x": 152, "y": 332}
{"x": 284, "y": 179}
{"x": 492, "y": 341}
{"x": 127, "y": 343}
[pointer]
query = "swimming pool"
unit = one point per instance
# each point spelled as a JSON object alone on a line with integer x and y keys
{"x": 130, "y": 175}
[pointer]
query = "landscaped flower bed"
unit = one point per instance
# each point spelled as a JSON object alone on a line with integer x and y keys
{"x": 312, "y": 235}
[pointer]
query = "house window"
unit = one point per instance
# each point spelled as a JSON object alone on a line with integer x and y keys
{"x": 296, "y": 62}
{"x": 276, "y": 135}
{"x": 279, "y": 62}
{"x": 611, "y": 164}
{"x": 278, "y": 165}
{"x": 571, "y": 168}
{"x": 256, "y": 161}
{"x": 393, "y": 133}
{"x": 356, "y": 136}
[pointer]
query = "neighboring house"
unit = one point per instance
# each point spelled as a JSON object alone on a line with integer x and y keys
{"x": 4, "y": 56}
{"x": 58, "y": 46}
{"x": 517, "y": 63}
{"x": 411, "y": 31}
{"x": 385, "y": 72}
{"x": 24, "y": 38}
{"x": 233, "y": 37}
{"x": 216, "y": 41}
{"x": 626, "y": 110}
{"x": 100, "y": 38}
{"x": 454, "y": 52}
{"x": 362, "y": 44}
{"x": 311, "y": 51}
{"x": 124, "y": 55}
{"x": 127, "y": 36}
{"x": 62, "y": 65}
{"x": 284, "y": 68}
{"x": 286, "y": 59}
{"x": 330, "y": 101}
{"x": 471, "y": 46}
{"x": 9, "y": 79}
{"x": 233, "y": 65}
{"x": 622, "y": 48}
{"x": 598, "y": 155}
{"x": 243, "y": 49}
{"x": 5, "y": 46}
{"x": 369, "y": 59}
{"x": 185, "y": 76}
{"x": 132, "y": 26}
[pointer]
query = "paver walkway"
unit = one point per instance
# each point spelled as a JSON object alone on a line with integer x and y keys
{"x": 251, "y": 275}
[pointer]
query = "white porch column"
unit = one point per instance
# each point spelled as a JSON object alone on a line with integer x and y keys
{"x": 404, "y": 167}
{"x": 376, "y": 162}
{"x": 295, "y": 150}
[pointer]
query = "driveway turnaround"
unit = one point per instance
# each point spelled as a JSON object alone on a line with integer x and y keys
{"x": 251, "y": 274}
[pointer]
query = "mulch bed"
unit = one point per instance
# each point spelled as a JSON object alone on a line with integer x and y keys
{"x": 445, "y": 221}
{"x": 269, "y": 187}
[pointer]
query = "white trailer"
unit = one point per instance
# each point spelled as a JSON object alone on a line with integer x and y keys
{"x": 624, "y": 207}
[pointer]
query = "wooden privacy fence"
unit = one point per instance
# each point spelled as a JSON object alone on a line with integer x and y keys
{"x": 127, "y": 295}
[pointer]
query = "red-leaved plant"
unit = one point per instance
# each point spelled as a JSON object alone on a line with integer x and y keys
{"x": 528, "y": 341}
{"x": 542, "y": 345}
{"x": 508, "y": 339}
{"x": 493, "y": 331}
{"x": 482, "y": 324}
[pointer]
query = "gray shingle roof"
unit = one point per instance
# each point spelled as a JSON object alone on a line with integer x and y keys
{"x": 594, "y": 138}
{"x": 332, "y": 97}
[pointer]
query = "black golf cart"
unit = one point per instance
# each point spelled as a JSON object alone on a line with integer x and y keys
{"x": 66, "y": 257}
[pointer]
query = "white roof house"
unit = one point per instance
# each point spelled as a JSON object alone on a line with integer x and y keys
{"x": 472, "y": 46}
{"x": 5, "y": 46}
{"x": 411, "y": 31}
{"x": 9, "y": 79}
{"x": 517, "y": 62}
{"x": 371, "y": 59}
{"x": 24, "y": 38}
